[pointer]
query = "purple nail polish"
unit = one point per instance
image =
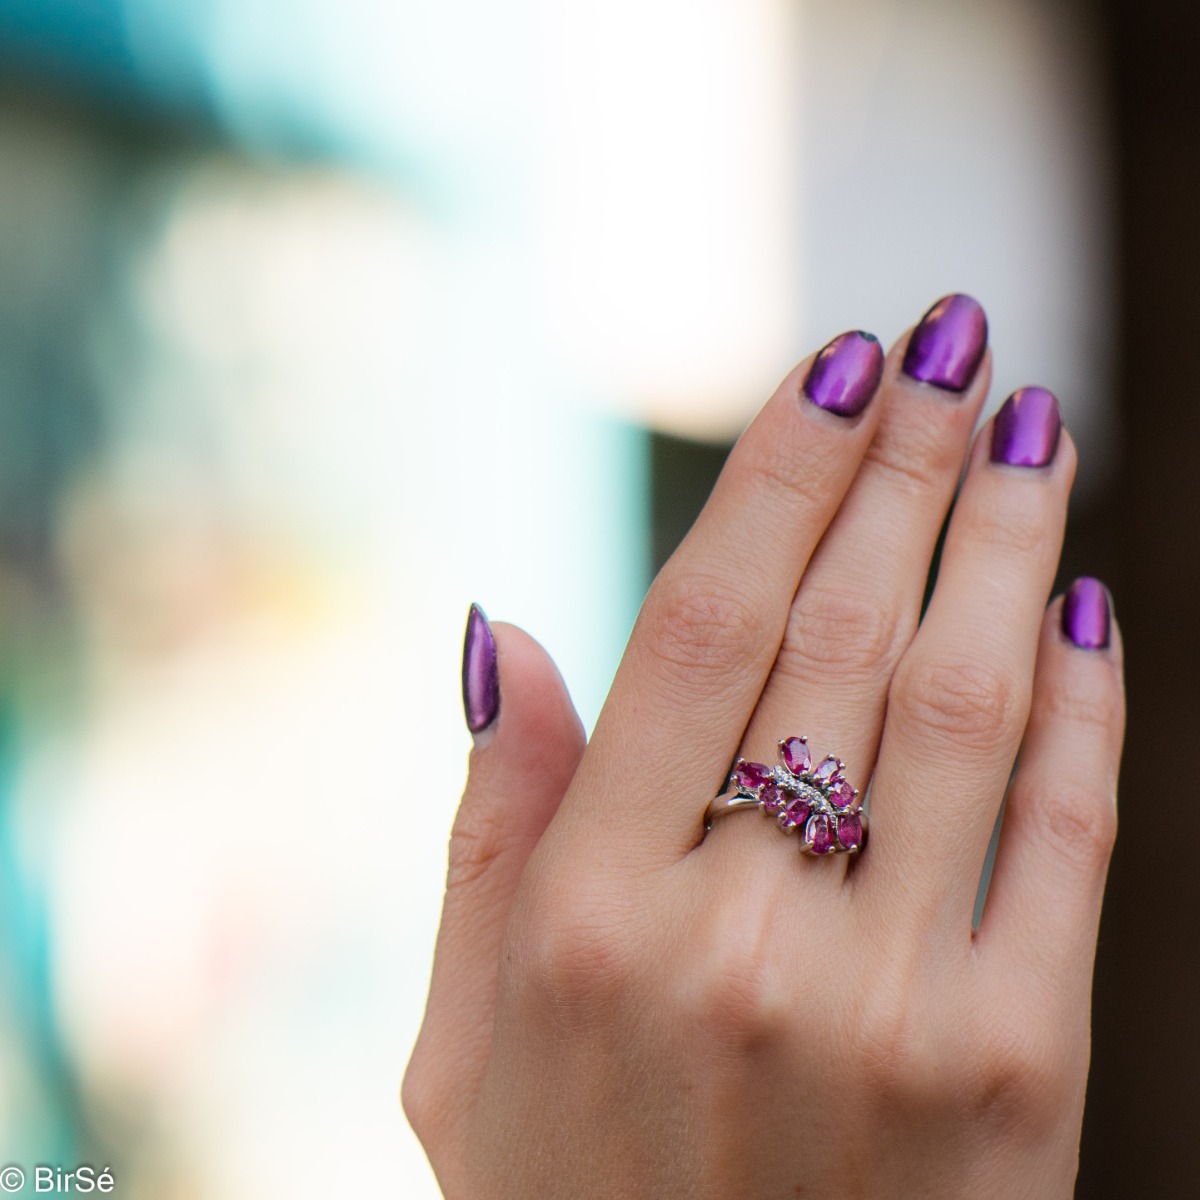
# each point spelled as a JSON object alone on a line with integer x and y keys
{"x": 1025, "y": 432}
{"x": 480, "y": 679}
{"x": 1086, "y": 614}
{"x": 947, "y": 347}
{"x": 845, "y": 374}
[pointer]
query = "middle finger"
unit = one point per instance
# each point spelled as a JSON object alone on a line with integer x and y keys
{"x": 858, "y": 604}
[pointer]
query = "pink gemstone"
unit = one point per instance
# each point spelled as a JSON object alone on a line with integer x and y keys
{"x": 841, "y": 795}
{"x": 772, "y": 798}
{"x": 750, "y": 776}
{"x": 818, "y": 835}
{"x": 795, "y": 755}
{"x": 850, "y": 831}
{"x": 796, "y": 813}
{"x": 827, "y": 770}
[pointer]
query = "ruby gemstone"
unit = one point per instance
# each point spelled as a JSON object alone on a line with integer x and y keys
{"x": 772, "y": 798}
{"x": 796, "y": 813}
{"x": 841, "y": 795}
{"x": 795, "y": 754}
{"x": 850, "y": 831}
{"x": 827, "y": 770}
{"x": 818, "y": 835}
{"x": 750, "y": 776}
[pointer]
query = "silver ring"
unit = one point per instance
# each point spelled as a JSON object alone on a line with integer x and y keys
{"x": 818, "y": 802}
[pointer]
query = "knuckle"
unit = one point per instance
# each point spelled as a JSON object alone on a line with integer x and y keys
{"x": 1021, "y": 1078}
{"x": 699, "y": 627}
{"x": 413, "y": 1100}
{"x": 1016, "y": 530}
{"x": 968, "y": 700}
{"x": 422, "y": 1101}
{"x": 832, "y": 628}
{"x": 478, "y": 838}
{"x": 1007, "y": 1068}
{"x": 737, "y": 1001}
{"x": 782, "y": 475}
{"x": 895, "y": 1059}
{"x": 574, "y": 955}
{"x": 1081, "y": 820}
{"x": 1071, "y": 700}
{"x": 575, "y": 968}
{"x": 917, "y": 456}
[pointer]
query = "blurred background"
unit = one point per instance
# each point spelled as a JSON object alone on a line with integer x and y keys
{"x": 320, "y": 320}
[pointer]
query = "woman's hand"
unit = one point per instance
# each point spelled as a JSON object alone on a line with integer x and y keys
{"x": 623, "y": 1006}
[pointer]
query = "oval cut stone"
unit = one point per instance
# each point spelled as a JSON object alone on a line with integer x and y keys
{"x": 796, "y": 813}
{"x": 772, "y": 798}
{"x": 850, "y": 831}
{"x": 841, "y": 795}
{"x": 795, "y": 754}
{"x": 827, "y": 770}
{"x": 818, "y": 835}
{"x": 750, "y": 776}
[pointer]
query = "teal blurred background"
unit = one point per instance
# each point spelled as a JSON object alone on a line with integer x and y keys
{"x": 319, "y": 321}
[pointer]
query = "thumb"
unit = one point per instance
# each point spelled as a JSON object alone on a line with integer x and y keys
{"x": 528, "y": 742}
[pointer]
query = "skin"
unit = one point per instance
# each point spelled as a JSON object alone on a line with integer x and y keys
{"x": 624, "y": 1007}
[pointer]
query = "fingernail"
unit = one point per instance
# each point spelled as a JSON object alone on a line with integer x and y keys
{"x": 1025, "y": 432}
{"x": 480, "y": 679}
{"x": 947, "y": 347}
{"x": 845, "y": 374}
{"x": 1087, "y": 614}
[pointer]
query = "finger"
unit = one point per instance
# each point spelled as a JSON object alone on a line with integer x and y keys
{"x": 711, "y": 624}
{"x": 959, "y": 701}
{"x": 528, "y": 744}
{"x": 1043, "y": 907}
{"x": 858, "y": 604}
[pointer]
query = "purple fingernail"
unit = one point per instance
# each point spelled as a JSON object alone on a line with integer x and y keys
{"x": 844, "y": 376}
{"x": 1086, "y": 614}
{"x": 947, "y": 347}
{"x": 480, "y": 679}
{"x": 1025, "y": 432}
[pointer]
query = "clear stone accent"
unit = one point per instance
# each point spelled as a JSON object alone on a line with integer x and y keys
{"x": 785, "y": 779}
{"x": 811, "y": 796}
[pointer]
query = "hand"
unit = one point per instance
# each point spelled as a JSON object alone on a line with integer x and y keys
{"x": 625, "y": 1006}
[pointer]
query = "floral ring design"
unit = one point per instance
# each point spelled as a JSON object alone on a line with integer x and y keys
{"x": 817, "y": 802}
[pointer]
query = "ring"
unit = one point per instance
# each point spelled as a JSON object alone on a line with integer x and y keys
{"x": 817, "y": 800}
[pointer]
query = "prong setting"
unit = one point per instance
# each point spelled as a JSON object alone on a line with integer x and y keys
{"x": 816, "y": 801}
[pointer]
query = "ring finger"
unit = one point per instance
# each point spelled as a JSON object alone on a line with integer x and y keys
{"x": 960, "y": 699}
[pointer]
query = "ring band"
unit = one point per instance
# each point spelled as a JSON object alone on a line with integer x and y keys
{"x": 816, "y": 801}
